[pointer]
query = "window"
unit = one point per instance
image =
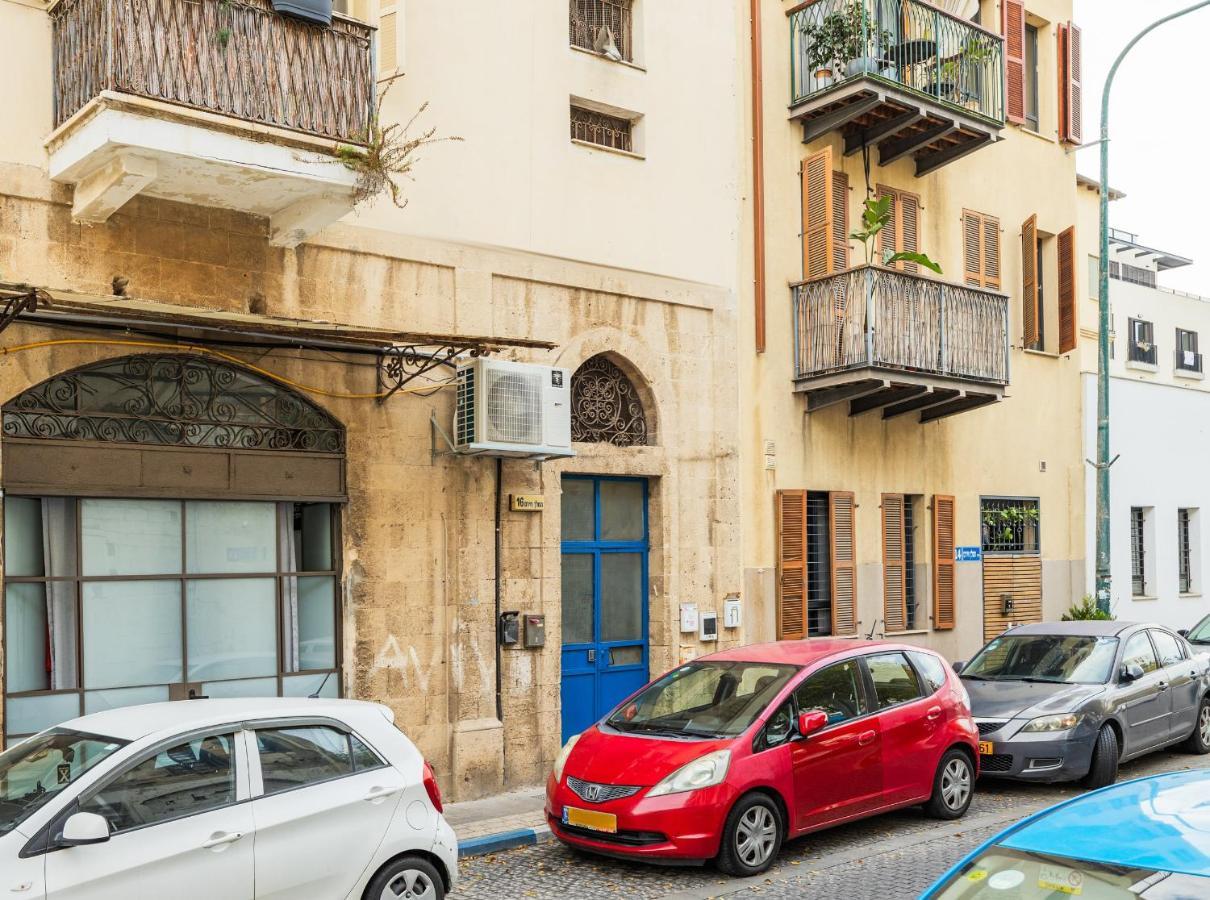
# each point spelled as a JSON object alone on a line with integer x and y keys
{"x": 931, "y": 669}
{"x": 363, "y": 757}
{"x": 603, "y": 26}
{"x": 1031, "y": 77}
{"x": 1187, "y": 357}
{"x": 819, "y": 572}
{"x": 1062, "y": 659}
{"x": 1132, "y": 274}
{"x": 981, "y": 249}
{"x": 190, "y": 778}
{"x": 1138, "y": 551}
{"x": 1142, "y": 342}
{"x": 899, "y": 582}
{"x": 296, "y": 757}
{"x": 614, "y": 132}
{"x": 1187, "y": 545}
{"x": 894, "y": 679}
{"x": 902, "y": 231}
{"x": 780, "y": 727}
{"x": 816, "y": 573}
{"x": 1139, "y": 652}
{"x": 1010, "y": 525}
{"x": 1168, "y": 647}
{"x": 836, "y": 690}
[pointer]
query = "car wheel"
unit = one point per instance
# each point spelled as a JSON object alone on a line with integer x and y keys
{"x": 1104, "y": 769}
{"x": 1199, "y": 741}
{"x": 752, "y": 836}
{"x": 953, "y": 786}
{"x": 407, "y": 878}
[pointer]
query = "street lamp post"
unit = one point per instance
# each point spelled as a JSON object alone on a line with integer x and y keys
{"x": 1103, "y": 462}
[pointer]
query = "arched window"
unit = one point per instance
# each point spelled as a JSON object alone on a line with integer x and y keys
{"x": 605, "y": 407}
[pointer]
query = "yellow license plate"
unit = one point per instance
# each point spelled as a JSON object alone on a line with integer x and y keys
{"x": 985, "y": 748}
{"x": 590, "y": 819}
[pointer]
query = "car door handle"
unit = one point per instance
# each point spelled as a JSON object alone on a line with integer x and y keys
{"x": 379, "y": 793}
{"x": 220, "y": 838}
{"x": 866, "y": 737}
{"x": 934, "y": 714}
{"x": 1162, "y": 686}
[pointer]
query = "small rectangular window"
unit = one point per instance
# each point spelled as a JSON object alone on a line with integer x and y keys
{"x": 1138, "y": 552}
{"x": 604, "y": 130}
{"x": 1188, "y": 358}
{"x": 603, "y": 26}
{"x": 819, "y": 565}
{"x": 296, "y": 757}
{"x": 1142, "y": 342}
{"x": 1010, "y": 525}
{"x": 1188, "y": 542}
{"x": 1031, "y": 77}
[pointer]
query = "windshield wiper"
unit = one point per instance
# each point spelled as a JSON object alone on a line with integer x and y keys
{"x": 977, "y": 677}
{"x": 1035, "y": 679}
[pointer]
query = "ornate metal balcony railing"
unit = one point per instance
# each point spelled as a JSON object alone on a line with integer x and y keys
{"x": 236, "y": 58}
{"x": 908, "y": 43}
{"x": 873, "y": 317}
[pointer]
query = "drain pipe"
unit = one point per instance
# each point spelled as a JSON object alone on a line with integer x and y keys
{"x": 499, "y": 593}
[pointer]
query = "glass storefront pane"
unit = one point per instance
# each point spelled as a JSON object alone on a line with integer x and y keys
{"x": 621, "y": 510}
{"x": 131, "y": 537}
{"x": 23, "y": 536}
{"x": 621, "y": 596}
{"x": 132, "y": 633}
{"x": 246, "y": 687}
{"x": 229, "y": 537}
{"x": 27, "y": 715}
{"x": 577, "y": 512}
{"x": 313, "y": 522}
{"x": 577, "y": 598}
{"x": 231, "y": 627}
{"x": 98, "y": 701}
{"x": 25, "y": 636}
{"x": 316, "y": 623}
{"x": 306, "y": 685}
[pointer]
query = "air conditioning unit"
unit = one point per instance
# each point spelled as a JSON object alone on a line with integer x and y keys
{"x": 513, "y": 409}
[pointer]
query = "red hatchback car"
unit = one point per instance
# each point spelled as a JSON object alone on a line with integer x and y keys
{"x": 727, "y": 756}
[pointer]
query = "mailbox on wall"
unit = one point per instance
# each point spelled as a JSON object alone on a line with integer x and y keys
{"x": 534, "y": 630}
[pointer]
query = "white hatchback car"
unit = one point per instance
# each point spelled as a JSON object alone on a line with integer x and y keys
{"x": 272, "y": 798}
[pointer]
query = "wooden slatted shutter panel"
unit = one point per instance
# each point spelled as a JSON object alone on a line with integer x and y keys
{"x": 991, "y": 252}
{"x": 1067, "y": 289}
{"x": 972, "y": 248}
{"x": 388, "y": 40}
{"x": 944, "y": 605}
{"x": 1029, "y": 281}
{"x": 1073, "y": 87}
{"x": 791, "y": 515}
{"x": 909, "y": 228}
{"x": 817, "y": 226}
{"x": 1061, "y": 60}
{"x": 894, "y": 563}
{"x": 888, "y": 238}
{"x": 1021, "y": 578}
{"x": 842, "y": 510}
{"x": 1013, "y": 26}
{"x": 840, "y": 221}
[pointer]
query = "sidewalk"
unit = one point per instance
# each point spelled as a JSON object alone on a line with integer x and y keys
{"x": 515, "y": 819}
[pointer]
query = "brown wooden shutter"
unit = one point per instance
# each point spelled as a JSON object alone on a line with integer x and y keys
{"x": 944, "y": 606}
{"x": 1013, "y": 26}
{"x": 888, "y": 238}
{"x": 1020, "y": 577}
{"x": 840, "y": 221}
{"x": 894, "y": 564}
{"x": 1029, "y": 280}
{"x": 980, "y": 249}
{"x": 791, "y": 515}
{"x": 1061, "y": 60}
{"x": 817, "y": 226}
{"x": 388, "y": 39}
{"x": 991, "y": 252}
{"x": 844, "y": 562}
{"x": 909, "y": 228}
{"x": 1073, "y": 88}
{"x": 1067, "y": 289}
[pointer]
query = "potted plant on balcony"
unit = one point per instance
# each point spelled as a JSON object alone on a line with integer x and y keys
{"x": 846, "y": 40}
{"x": 875, "y": 215}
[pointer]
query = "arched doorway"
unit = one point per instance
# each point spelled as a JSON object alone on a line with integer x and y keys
{"x": 171, "y": 530}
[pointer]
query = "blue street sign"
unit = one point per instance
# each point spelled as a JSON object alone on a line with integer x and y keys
{"x": 968, "y": 554}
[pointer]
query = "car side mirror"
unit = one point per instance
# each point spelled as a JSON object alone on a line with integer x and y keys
{"x": 1183, "y": 632}
{"x": 1131, "y": 672}
{"x": 84, "y": 828}
{"x": 958, "y": 666}
{"x": 811, "y": 721}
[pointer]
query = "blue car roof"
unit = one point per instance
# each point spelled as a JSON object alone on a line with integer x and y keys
{"x": 1160, "y": 822}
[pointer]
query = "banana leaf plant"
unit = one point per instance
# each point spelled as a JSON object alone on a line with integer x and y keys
{"x": 874, "y": 217}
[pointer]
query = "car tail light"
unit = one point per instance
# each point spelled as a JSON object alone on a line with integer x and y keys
{"x": 430, "y": 785}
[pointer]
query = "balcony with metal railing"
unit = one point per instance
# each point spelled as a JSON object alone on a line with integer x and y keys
{"x": 218, "y": 102}
{"x": 898, "y": 342}
{"x": 900, "y": 75}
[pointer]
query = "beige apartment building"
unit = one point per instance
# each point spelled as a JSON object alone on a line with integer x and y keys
{"x": 228, "y": 386}
{"x": 912, "y": 461}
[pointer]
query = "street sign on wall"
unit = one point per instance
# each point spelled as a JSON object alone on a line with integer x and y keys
{"x": 968, "y": 554}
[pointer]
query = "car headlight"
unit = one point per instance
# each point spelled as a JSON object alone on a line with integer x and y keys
{"x": 1053, "y": 723}
{"x": 703, "y": 772}
{"x": 561, "y": 759}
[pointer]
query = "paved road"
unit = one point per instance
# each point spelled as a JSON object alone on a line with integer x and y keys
{"x": 891, "y": 857}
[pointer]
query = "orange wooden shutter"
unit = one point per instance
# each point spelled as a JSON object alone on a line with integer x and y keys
{"x": 944, "y": 607}
{"x": 991, "y": 252}
{"x": 840, "y": 221}
{"x": 817, "y": 226}
{"x": 980, "y": 249}
{"x": 1013, "y": 26}
{"x": 888, "y": 238}
{"x": 1073, "y": 87}
{"x": 909, "y": 228}
{"x": 1061, "y": 60}
{"x": 1029, "y": 280}
{"x": 1067, "y": 289}
{"x": 894, "y": 564}
{"x": 844, "y": 562}
{"x": 791, "y": 514}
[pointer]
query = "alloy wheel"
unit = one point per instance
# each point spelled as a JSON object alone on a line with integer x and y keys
{"x": 410, "y": 884}
{"x": 756, "y": 836}
{"x": 956, "y": 783}
{"x": 1203, "y": 724}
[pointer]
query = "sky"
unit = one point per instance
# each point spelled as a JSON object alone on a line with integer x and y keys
{"x": 1158, "y": 127}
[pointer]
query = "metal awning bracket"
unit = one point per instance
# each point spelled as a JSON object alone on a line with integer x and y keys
{"x": 24, "y": 301}
{"x": 399, "y": 366}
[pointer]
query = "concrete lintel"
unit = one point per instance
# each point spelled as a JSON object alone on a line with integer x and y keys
{"x": 292, "y": 225}
{"x": 104, "y": 191}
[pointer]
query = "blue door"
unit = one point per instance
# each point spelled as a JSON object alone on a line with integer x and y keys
{"x": 604, "y": 587}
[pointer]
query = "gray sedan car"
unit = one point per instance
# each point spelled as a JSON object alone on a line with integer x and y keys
{"x": 1069, "y": 700}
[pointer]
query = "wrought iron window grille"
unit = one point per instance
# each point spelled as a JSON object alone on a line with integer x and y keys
{"x": 590, "y": 20}
{"x": 601, "y": 129}
{"x": 1010, "y": 525}
{"x": 605, "y": 407}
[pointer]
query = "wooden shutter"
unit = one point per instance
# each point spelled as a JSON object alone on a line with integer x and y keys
{"x": 1067, "y": 289}
{"x": 991, "y": 252}
{"x": 1013, "y": 25}
{"x": 388, "y": 41}
{"x": 888, "y": 238}
{"x": 894, "y": 563}
{"x": 840, "y": 221}
{"x": 944, "y": 606}
{"x": 791, "y": 515}
{"x": 1073, "y": 88}
{"x": 817, "y": 226}
{"x": 1020, "y": 577}
{"x": 980, "y": 249}
{"x": 842, "y": 509}
{"x": 902, "y": 231}
{"x": 1029, "y": 280}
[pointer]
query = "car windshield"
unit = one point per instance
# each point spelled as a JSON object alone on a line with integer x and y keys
{"x": 1200, "y": 631}
{"x": 34, "y": 771}
{"x": 703, "y": 699}
{"x": 1072, "y": 659}
{"x": 1000, "y": 872}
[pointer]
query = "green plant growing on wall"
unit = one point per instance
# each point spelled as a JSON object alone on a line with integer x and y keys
{"x": 1003, "y": 523}
{"x": 874, "y": 217}
{"x": 1085, "y": 611}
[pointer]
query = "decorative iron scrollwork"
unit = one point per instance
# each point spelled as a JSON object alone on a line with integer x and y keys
{"x": 397, "y": 366}
{"x": 14, "y": 306}
{"x": 175, "y": 400}
{"x": 605, "y": 407}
